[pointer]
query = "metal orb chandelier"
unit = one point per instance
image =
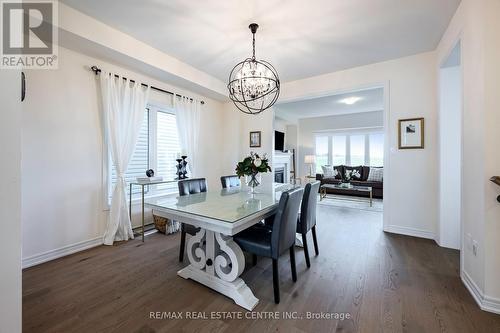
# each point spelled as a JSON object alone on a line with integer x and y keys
{"x": 254, "y": 85}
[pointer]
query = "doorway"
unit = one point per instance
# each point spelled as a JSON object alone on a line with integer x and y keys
{"x": 450, "y": 150}
{"x": 339, "y": 139}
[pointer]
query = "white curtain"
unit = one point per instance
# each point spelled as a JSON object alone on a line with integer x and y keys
{"x": 187, "y": 113}
{"x": 124, "y": 105}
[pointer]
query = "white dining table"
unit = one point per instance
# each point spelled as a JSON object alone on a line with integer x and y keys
{"x": 215, "y": 260}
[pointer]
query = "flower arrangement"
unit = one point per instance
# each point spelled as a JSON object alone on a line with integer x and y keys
{"x": 351, "y": 173}
{"x": 251, "y": 166}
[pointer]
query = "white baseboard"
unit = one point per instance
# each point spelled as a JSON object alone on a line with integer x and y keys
{"x": 60, "y": 252}
{"x": 396, "y": 229}
{"x": 485, "y": 302}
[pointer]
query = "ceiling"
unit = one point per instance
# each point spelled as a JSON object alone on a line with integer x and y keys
{"x": 369, "y": 100}
{"x": 300, "y": 38}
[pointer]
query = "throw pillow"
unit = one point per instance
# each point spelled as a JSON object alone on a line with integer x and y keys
{"x": 353, "y": 173}
{"x": 376, "y": 175}
{"x": 365, "y": 173}
{"x": 338, "y": 171}
{"x": 329, "y": 171}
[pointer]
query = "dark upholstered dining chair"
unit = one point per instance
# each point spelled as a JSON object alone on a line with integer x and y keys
{"x": 272, "y": 242}
{"x": 187, "y": 187}
{"x": 230, "y": 181}
{"x": 307, "y": 217}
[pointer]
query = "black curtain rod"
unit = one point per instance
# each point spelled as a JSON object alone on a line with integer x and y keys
{"x": 97, "y": 70}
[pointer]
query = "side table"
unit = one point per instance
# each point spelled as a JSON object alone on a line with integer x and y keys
{"x": 142, "y": 185}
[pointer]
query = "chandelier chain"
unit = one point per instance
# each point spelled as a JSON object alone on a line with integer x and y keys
{"x": 253, "y": 45}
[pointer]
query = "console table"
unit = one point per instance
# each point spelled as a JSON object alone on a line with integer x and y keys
{"x": 142, "y": 185}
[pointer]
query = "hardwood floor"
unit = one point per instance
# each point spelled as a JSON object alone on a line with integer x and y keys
{"x": 385, "y": 282}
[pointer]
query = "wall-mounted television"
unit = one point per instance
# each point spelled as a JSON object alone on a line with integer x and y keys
{"x": 279, "y": 140}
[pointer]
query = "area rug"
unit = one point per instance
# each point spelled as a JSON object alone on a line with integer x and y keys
{"x": 348, "y": 202}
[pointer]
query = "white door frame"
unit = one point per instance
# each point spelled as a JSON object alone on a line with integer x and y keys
{"x": 389, "y": 137}
{"x": 457, "y": 40}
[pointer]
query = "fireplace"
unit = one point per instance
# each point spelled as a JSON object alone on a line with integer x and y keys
{"x": 282, "y": 166}
{"x": 279, "y": 175}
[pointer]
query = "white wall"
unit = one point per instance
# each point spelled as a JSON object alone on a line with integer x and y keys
{"x": 236, "y": 145}
{"x": 450, "y": 146}
{"x": 232, "y": 139}
{"x": 492, "y": 157}
{"x": 10, "y": 201}
{"x": 412, "y": 201}
{"x": 309, "y": 126}
{"x": 477, "y": 25}
{"x": 291, "y": 137}
{"x": 261, "y": 122}
{"x": 62, "y": 150}
{"x": 280, "y": 125}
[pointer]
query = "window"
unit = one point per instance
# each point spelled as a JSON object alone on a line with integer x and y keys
{"x": 339, "y": 149}
{"x": 376, "y": 144}
{"x": 157, "y": 148}
{"x": 360, "y": 147}
{"x": 167, "y": 147}
{"x": 321, "y": 152}
{"x": 357, "y": 150}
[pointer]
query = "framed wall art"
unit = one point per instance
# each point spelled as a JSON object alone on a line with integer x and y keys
{"x": 255, "y": 139}
{"x": 411, "y": 133}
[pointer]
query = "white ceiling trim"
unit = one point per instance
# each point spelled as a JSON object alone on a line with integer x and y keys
{"x": 289, "y": 116}
{"x": 88, "y": 34}
{"x": 351, "y": 130}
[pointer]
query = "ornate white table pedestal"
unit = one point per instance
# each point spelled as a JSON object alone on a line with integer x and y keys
{"x": 217, "y": 262}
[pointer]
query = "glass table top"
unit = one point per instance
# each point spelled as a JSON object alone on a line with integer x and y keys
{"x": 352, "y": 187}
{"x": 227, "y": 205}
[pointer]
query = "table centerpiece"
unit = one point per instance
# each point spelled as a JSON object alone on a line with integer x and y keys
{"x": 348, "y": 175}
{"x": 251, "y": 167}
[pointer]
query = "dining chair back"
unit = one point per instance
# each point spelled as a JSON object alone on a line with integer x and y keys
{"x": 307, "y": 217}
{"x": 191, "y": 186}
{"x": 308, "y": 207}
{"x": 230, "y": 181}
{"x": 285, "y": 222}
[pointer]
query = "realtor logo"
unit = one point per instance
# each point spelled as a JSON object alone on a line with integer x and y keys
{"x": 29, "y": 34}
